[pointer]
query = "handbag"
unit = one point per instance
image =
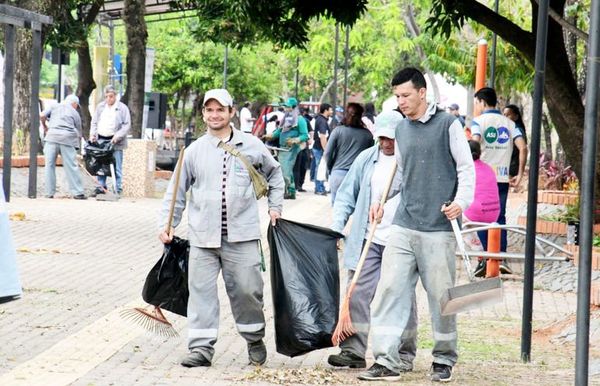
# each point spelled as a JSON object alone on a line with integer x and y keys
{"x": 259, "y": 182}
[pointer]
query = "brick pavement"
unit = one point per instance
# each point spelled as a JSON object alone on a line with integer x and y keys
{"x": 83, "y": 261}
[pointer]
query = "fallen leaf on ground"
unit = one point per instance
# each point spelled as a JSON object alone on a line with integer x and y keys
{"x": 17, "y": 216}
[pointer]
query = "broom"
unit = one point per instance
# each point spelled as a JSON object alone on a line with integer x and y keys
{"x": 344, "y": 328}
{"x": 151, "y": 318}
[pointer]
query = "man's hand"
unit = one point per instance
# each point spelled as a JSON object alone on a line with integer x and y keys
{"x": 375, "y": 213}
{"x": 113, "y": 140}
{"x": 515, "y": 181}
{"x": 274, "y": 216}
{"x": 452, "y": 211}
{"x": 165, "y": 237}
{"x": 292, "y": 141}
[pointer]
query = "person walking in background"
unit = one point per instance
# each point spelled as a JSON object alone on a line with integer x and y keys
{"x": 224, "y": 229}
{"x": 293, "y": 131}
{"x": 368, "y": 177}
{"x": 454, "y": 109}
{"x": 111, "y": 122}
{"x": 486, "y": 202}
{"x": 246, "y": 120}
{"x": 303, "y": 159}
{"x": 320, "y": 142}
{"x": 513, "y": 113}
{"x": 345, "y": 143}
{"x": 62, "y": 125}
{"x": 368, "y": 118}
{"x": 497, "y": 134}
{"x": 434, "y": 166}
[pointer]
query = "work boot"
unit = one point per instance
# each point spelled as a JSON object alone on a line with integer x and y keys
{"x": 440, "y": 373}
{"x": 257, "y": 353}
{"x": 347, "y": 359}
{"x": 195, "y": 359}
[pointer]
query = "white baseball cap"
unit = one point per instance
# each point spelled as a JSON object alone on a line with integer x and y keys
{"x": 386, "y": 124}
{"x": 220, "y": 95}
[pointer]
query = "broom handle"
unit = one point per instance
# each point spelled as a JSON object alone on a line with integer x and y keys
{"x": 175, "y": 188}
{"x": 367, "y": 245}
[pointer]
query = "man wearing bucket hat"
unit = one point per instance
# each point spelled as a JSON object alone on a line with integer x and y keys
{"x": 435, "y": 165}
{"x": 62, "y": 125}
{"x": 293, "y": 131}
{"x": 224, "y": 228}
{"x": 366, "y": 177}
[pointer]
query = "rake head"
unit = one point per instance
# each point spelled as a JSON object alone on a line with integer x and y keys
{"x": 152, "y": 320}
{"x": 344, "y": 328}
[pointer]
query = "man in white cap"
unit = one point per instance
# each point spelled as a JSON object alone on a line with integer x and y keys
{"x": 368, "y": 177}
{"x": 223, "y": 230}
{"x": 62, "y": 125}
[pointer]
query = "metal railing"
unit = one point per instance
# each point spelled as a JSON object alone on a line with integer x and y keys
{"x": 548, "y": 250}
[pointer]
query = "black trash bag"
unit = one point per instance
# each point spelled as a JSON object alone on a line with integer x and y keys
{"x": 98, "y": 157}
{"x": 305, "y": 284}
{"x": 166, "y": 285}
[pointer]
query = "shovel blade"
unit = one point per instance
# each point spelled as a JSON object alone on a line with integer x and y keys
{"x": 470, "y": 296}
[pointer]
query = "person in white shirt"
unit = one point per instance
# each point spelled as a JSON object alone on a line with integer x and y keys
{"x": 246, "y": 120}
{"x": 111, "y": 122}
{"x": 497, "y": 135}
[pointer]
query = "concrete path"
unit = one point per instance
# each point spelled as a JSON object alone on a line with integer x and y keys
{"x": 81, "y": 262}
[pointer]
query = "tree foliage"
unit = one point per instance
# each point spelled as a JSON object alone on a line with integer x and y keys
{"x": 283, "y": 22}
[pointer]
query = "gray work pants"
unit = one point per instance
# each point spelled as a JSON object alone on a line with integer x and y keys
{"x": 360, "y": 311}
{"x": 409, "y": 255}
{"x": 240, "y": 263}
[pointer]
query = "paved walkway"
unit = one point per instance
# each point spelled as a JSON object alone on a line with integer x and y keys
{"x": 81, "y": 262}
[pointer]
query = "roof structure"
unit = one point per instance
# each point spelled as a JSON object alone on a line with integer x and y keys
{"x": 113, "y": 9}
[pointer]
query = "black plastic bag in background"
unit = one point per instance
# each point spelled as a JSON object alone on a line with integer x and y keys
{"x": 98, "y": 157}
{"x": 305, "y": 284}
{"x": 166, "y": 285}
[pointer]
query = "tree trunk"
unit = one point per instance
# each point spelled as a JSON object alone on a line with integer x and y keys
{"x": 547, "y": 132}
{"x": 137, "y": 36}
{"x": 413, "y": 29}
{"x": 85, "y": 85}
{"x": 22, "y": 91}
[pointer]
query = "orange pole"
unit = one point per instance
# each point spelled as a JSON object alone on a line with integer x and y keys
{"x": 493, "y": 265}
{"x": 480, "y": 70}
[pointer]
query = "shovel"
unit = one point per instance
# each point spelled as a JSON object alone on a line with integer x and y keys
{"x": 473, "y": 295}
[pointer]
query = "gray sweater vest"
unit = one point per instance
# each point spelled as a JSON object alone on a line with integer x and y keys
{"x": 429, "y": 175}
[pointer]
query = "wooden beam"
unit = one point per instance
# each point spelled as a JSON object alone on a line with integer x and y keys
{"x": 23, "y": 14}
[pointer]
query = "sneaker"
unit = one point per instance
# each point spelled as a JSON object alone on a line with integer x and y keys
{"x": 379, "y": 372}
{"x": 195, "y": 359}
{"x": 257, "y": 353}
{"x": 347, "y": 359}
{"x": 480, "y": 269}
{"x": 288, "y": 196}
{"x": 505, "y": 269}
{"x": 321, "y": 193}
{"x": 80, "y": 197}
{"x": 300, "y": 190}
{"x": 97, "y": 191}
{"x": 440, "y": 373}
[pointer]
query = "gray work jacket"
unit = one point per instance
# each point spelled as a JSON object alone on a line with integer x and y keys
{"x": 122, "y": 125}
{"x": 202, "y": 176}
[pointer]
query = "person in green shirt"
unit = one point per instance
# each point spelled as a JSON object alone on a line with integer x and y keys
{"x": 292, "y": 134}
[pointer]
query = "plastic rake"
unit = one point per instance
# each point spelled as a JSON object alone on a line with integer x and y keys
{"x": 152, "y": 320}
